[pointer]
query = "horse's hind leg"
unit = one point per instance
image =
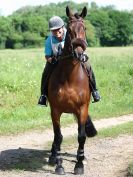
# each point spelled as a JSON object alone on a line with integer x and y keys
{"x": 90, "y": 128}
{"x": 55, "y": 157}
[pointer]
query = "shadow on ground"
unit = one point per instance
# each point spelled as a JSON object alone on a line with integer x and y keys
{"x": 29, "y": 160}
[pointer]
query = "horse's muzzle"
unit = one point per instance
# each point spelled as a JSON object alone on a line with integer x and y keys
{"x": 78, "y": 42}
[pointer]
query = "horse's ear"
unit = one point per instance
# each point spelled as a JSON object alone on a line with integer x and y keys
{"x": 68, "y": 12}
{"x": 84, "y": 12}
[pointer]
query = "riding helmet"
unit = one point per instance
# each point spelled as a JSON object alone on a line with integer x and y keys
{"x": 55, "y": 22}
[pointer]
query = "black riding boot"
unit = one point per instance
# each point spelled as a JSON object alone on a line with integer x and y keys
{"x": 92, "y": 82}
{"x": 92, "y": 79}
{"x": 44, "y": 84}
{"x": 94, "y": 90}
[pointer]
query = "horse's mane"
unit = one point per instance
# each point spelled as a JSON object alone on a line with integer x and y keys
{"x": 76, "y": 15}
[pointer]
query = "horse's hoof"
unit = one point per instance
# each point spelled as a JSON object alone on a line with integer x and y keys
{"x": 78, "y": 171}
{"x": 52, "y": 160}
{"x": 59, "y": 170}
{"x": 79, "y": 168}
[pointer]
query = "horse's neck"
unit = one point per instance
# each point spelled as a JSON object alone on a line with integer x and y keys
{"x": 67, "y": 46}
{"x": 69, "y": 65}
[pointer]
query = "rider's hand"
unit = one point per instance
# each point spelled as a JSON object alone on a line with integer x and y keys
{"x": 49, "y": 59}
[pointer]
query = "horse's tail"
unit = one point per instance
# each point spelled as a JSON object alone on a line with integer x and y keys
{"x": 90, "y": 128}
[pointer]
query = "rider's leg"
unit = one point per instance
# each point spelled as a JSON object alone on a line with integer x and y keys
{"x": 44, "y": 84}
{"x": 92, "y": 80}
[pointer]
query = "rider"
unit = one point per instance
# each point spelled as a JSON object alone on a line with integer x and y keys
{"x": 54, "y": 44}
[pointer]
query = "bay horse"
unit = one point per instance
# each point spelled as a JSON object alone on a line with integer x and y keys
{"x": 69, "y": 91}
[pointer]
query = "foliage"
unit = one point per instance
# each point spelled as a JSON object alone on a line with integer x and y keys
{"x": 91, "y": 34}
{"x": 105, "y": 26}
{"x": 4, "y": 31}
{"x": 122, "y": 25}
{"x": 113, "y": 28}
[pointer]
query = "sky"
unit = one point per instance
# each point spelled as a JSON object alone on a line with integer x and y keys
{"x": 9, "y": 6}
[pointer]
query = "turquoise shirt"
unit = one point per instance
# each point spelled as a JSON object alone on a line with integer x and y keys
{"x": 53, "y": 41}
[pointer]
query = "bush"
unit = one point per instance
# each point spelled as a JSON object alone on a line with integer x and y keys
{"x": 18, "y": 45}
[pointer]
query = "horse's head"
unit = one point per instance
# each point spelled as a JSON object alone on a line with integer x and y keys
{"x": 76, "y": 31}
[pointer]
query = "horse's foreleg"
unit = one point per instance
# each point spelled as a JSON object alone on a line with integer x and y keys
{"x": 55, "y": 157}
{"x": 79, "y": 167}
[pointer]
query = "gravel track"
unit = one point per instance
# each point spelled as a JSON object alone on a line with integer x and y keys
{"x": 108, "y": 157}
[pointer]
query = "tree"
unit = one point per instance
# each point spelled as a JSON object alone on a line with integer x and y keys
{"x": 91, "y": 34}
{"x": 123, "y": 27}
{"x": 94, "y": 5}
{"x": 100, "y": 21}
{"x": 113, "y": 28}
{"x": 32, "y": 40}
{"x": 36, "y": 24}
{"x": 4, "y": 31}
{"x": 28, "y": 26}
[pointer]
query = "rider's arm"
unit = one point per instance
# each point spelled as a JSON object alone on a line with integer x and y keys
{"x": 48, "y": 50}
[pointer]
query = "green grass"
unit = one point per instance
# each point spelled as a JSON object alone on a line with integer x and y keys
{"x": 115, "y": 131}
{"x": 114, "y": 73}
{"x": 20, "y": 75}
{"x": 130, "y": 170}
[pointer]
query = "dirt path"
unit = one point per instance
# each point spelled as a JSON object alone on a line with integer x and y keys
{"x": 106, "y": 157}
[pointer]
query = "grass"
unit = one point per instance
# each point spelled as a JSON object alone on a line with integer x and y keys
{"x": 130, "y": 170}
{"x": 20, "y": 75}
{"x": 114, "y": 131}
{"x": 114, "y": 72}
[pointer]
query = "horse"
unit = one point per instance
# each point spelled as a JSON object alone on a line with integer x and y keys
{"x": 69, "y": 91}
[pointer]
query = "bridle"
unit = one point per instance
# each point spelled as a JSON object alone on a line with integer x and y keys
{"x": 83, "y": 43}
{"x": 82, "y": 57}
